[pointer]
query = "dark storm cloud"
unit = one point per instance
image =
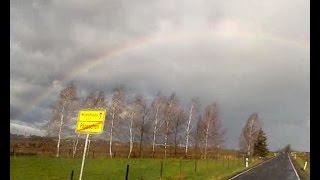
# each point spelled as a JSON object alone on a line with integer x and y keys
{"x": 247, "y": 56}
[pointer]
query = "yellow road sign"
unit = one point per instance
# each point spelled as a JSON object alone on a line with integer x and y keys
{"x": 91, "y": 121}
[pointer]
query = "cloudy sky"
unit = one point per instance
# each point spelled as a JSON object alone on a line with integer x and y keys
{"x": 247, "y": 56}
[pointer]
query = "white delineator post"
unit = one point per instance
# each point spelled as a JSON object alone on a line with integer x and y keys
{"x": 247, "y": 162}
{"x": 305, "y": 165}
{"x": 84, "y": 156}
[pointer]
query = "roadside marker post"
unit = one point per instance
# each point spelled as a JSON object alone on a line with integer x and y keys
{"x": 90, "y": 121}
{"x": 305, "y": 165}
{"x": 127, "y": 172}
{"x": 71, "y": 177}
{"x": 247, "y": 162}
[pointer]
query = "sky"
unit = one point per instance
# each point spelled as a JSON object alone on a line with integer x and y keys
{"x": 247, "y": 56}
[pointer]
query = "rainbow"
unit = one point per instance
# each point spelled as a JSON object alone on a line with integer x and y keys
{"x": 145, "y": 42}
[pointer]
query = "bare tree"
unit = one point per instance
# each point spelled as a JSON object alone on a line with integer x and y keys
{"x": 77, "y": 107}
{"x": 93, "y": 101}
{"x": 141, "y": 112}
{"x": 157, "y": 110}
{"x": 170, "y": 110}
{"x": 131, "y": 116}
{"x": 63, "y": 107}
{"x": 127, "y": 117}
{"x": 213, "y": 132}
{"x": 117, "y": 107}
{"x": 249, "y": 134}
{"x": 88, "y": 103}
{"x": 198, "y": 134}
{"x": 179, "y": 119}
{"x": 192, "y": 116}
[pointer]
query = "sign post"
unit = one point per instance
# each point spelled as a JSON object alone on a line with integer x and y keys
{"x": 84, "y": 156}
{"x": 89, "y": 122}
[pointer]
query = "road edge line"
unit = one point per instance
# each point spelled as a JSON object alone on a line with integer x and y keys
{"x": 293, "y": 167}
{"x": 251, "y": 168}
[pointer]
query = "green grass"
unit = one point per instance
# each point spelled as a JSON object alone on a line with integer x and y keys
{"x": 35, "y": 167}
{"x": 299, "y": 164}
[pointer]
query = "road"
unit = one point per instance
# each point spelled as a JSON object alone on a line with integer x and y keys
{"x": 278, "y": 168}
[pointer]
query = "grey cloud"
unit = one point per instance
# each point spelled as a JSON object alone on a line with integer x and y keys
{"x": 248, "y": 56}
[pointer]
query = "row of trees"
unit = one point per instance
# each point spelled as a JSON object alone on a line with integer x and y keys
{"x": 162, "y": 121}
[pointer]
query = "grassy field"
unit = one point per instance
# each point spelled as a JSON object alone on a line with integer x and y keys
{"x": 299, "y": 162}
{"x": 36, "y": 167}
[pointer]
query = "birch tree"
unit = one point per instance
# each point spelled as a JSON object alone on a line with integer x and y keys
{"x": 88, "y": 103}
{"x": 157, "y": 110}
{"x": 168, "y": 123}
{"x": 192, "y": 116}
{"x": 117, "y": 106}
{"x": 179, "y": 119}
{"x": 198, "y": 135}
{"x": 213, "y": 130}
{"x": 94, "y": 100}
{"x": 141, "y": 112}
{"x": 249, "y": 134}
{"x": 131, "y": 117}
{"x": 63, "y": 106}
{"x": 127, "y": 117}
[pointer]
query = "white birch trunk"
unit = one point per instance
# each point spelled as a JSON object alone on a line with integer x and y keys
{"x": 167, "y": 133}
{"x": 206, "y": 146}
{"x": 75, "y": 146}
{"x": 155, "y": 130}
{"x": 111, "y": 131}
{"x": 250, "y": 138}
{"x": 165, "y": 147}
{"x": 166, "y": 140}
{"x": 59, "y": 135}
{"x": 188, "y": 129}
{"x": 131, "y": 136}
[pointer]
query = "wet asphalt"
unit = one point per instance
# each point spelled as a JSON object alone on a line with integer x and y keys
{"x": 278, "y": 168}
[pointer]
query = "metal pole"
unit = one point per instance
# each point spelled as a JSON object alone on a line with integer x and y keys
{"x": 84, "y": 156}
{"x": 71, "y": 178}
{"x": 89, "y": 142}
{"x": 127, "y": 172}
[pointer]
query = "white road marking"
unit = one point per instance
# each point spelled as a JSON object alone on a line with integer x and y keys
{"x": 251, "y": 168}
{"x": 293, "y": 167}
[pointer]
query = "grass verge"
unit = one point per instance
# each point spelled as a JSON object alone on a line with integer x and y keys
{"x": 35, "y": 167}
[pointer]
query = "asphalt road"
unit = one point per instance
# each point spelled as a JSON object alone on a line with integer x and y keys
{"x": 278, "y": 168}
